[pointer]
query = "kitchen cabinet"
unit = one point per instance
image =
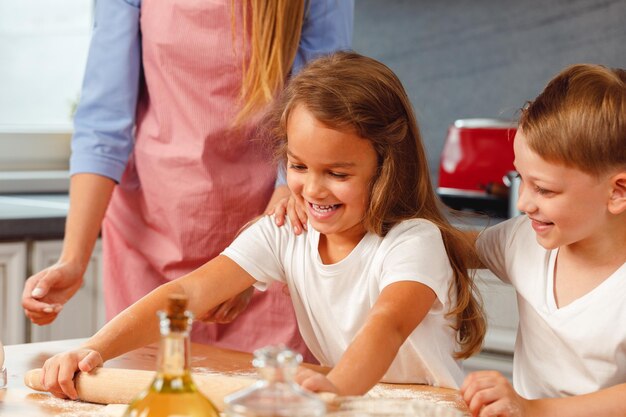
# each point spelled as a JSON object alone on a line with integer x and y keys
{"x": 500, "y": 304}
{"x": 83, "y": 314}
{"x": 12, "y": 276}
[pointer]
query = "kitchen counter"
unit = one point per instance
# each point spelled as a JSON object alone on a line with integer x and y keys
{"x": 18, "y": 400}
{"x": 32, "y": 216}
{"x": 42, "y": 216}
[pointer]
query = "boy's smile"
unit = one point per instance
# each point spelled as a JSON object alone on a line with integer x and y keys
{"x": 330, "y": 172}
{"x": 566, "y": 205}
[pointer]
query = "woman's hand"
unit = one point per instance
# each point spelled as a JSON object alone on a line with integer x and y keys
{"x": 314, "y": 381}
{"x": 489, "y": 394}
{"x": 289, "y": 206}
{"x": 58, "y": 371}
{"x": 47, "y": 291}
{"x": 229, "y": 309}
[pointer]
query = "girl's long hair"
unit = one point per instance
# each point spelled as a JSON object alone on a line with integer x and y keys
{"x": 352, "y": 92}
{"x": 275, "y": 36}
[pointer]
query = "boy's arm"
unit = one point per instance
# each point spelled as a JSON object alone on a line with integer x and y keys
{"x": 207, "y": 286}
{"x": 397, "y": 312}
{"x": 608, "y": 402}
{"x": 488, "y": 393}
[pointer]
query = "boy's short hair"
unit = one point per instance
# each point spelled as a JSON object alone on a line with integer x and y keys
{"x": 579, "y": 119}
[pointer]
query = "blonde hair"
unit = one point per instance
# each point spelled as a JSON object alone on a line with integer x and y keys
{"x": 579, "y": 119}
{"x": 352, "y": 92}
{"x": 275, "y": 36}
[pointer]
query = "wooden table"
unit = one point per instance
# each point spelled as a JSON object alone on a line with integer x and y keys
{"x": 17, "y": 400}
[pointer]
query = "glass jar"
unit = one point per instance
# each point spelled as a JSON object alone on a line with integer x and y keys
{"x": 276, "y": 394}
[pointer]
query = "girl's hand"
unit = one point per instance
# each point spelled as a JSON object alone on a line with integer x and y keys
{"x": 58, "y": 371}
{"x": 229, "y": 309}
{"x": 47, "y": 291}
{"x": 294, "y": 209}
{"x": 489, "y": 394}
{"x": 314, "y": 381}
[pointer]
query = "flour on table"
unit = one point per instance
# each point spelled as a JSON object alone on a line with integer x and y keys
{"x": 69, "y": 408}
{"x": 390, "y": 393}
{"x": 208, "y": 371}
{"x": 115, "y": 410}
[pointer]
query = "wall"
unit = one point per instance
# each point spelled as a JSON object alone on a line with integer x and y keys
{"x": 484, "y": 58}
{"x": 43, "y": 50}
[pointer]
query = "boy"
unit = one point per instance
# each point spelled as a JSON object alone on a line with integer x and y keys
{"x": 566, "y": 257}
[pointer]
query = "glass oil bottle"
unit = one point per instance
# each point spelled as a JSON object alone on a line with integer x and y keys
{"x": 276, "y": 394}
{"x": 172, "y": 392}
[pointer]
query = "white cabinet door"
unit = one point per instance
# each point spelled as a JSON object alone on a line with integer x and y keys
{"x": 83, "y": 315}
{"x": 12, "y": 277}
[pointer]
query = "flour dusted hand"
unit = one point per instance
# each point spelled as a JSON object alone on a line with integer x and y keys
{"x": 490, "y": 394}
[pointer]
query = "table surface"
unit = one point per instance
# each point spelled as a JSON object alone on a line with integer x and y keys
{"x": 18, "y": 400}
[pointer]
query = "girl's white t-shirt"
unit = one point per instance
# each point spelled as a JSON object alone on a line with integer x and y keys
{"x": 332, "y": 302}
{"x": 573, "y": 350}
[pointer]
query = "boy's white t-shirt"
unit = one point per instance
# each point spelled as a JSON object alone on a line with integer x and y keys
{"x": 573, "y": 350}
{"x": 332, "y": 302}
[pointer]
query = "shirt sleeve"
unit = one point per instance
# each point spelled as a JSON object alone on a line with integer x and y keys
{"x": 493, "y": 246}
{"x": 105, "y": 117}
{"x": 327, "y": 28}
{"x": 258, "y": 251}
{"x": 416, "y": 253}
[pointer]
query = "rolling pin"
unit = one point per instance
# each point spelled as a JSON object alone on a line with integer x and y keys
{"x": 120, "y": 386}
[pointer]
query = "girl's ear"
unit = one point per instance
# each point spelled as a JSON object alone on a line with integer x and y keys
{"x": 617, "y": 202}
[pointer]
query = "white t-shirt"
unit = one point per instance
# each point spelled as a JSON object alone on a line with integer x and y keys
{"x": 573, "y": 350}
{"x": 332, "y": 301}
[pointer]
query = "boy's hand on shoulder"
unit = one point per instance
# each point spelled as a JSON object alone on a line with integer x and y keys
{"x": 490, "y": 394}
{"x": 58, "y": 372}
{"x": 314, "y": 381}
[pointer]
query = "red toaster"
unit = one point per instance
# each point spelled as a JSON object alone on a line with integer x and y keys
{"x": 476, "y": 155}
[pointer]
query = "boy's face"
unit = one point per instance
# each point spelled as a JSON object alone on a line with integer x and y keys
{"x": 329, "y": 171}
{"x": 566, "y": 206}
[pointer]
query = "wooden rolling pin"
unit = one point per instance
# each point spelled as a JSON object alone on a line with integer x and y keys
{"x": 120, "y": 386}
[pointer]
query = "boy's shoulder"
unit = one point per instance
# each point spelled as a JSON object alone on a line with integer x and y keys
{"x": 511, "y": 229}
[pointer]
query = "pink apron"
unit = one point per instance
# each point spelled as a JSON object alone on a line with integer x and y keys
{"x": 191, "y": 183}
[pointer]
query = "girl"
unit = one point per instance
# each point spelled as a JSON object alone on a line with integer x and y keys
{"x": 379, "y": 282}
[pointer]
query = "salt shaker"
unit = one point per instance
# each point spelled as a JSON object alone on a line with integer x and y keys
{"x": 276, "y": 394}
{"x": 3, "y": 371}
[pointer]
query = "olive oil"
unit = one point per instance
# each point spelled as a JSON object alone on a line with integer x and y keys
{"x": 173, "y": 392}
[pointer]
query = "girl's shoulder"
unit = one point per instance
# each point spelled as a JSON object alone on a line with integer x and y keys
{"x": 414, "y": 227}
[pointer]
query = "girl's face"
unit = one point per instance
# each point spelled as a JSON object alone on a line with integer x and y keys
{"x": 329, "y": 171}
{"x": 566, "y": 206}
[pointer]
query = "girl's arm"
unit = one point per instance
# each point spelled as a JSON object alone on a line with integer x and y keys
{"x": 207, "y": 286}
{"x": 489, "y": 393}
{"x": 397, "y": 312}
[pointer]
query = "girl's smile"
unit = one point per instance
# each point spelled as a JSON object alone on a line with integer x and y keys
{"x": 322, "y": 212}
{"x": 330, "y": 172}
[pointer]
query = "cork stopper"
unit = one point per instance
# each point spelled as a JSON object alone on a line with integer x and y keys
{"x": 176, "y": 312}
